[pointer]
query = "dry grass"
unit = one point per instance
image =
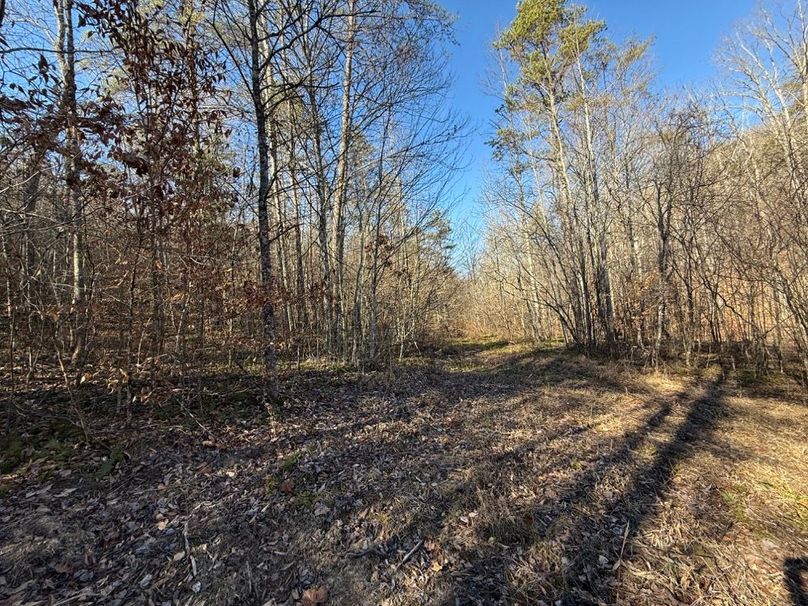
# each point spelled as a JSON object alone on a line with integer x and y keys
{"x": 492, "y": 474}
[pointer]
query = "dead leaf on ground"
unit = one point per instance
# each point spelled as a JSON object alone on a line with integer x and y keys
{"x": 315, "y": 595}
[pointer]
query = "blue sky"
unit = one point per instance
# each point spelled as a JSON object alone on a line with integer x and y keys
{"x": 687, "y": 34}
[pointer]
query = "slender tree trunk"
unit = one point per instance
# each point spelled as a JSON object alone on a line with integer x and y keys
{"x": 67, "y": 64}
{"x": 10, "y": 312}
{"x": 340, "y": 194}
{"x": 257, "y": 73}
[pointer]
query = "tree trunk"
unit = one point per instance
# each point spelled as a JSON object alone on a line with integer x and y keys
{"x": 338, "y": 235}
{"x": 67, "y": 65}
{"x": 257, "y": 70}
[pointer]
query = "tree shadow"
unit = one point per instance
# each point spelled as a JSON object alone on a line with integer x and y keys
{"x": 587, "y": 525}
{"x": 411, "y": 434}
{"x": 637, "y": 505}
{"x": 795, "y": 572}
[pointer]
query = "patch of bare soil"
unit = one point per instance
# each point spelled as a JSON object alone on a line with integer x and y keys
{"x": 496, "y": 475}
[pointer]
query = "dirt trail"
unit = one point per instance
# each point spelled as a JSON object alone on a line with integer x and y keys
{"x": 494, "y": 474}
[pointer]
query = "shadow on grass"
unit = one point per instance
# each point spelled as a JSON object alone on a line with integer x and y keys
{"x": 587, "y": 525}
{"x": 435, "y": 435}
{"x": 795, "y": 571}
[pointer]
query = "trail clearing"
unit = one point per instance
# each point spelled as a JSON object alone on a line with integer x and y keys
{"x": 489, "y": 474}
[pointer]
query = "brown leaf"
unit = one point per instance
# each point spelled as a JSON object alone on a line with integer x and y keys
{"x": 315, "y": 595}
{"x": 287, "y": 487}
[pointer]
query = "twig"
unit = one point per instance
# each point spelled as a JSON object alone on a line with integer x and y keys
{"x": 188, "y": 548}
{"x": 409, "y": 554}
{"x": 625, "y": 536}
{"x": 187, "y": 411}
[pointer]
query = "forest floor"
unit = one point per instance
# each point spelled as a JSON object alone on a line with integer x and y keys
{"x": 490, "y": 474}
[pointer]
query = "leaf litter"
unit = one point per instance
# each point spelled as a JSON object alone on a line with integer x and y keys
{"x": 499, "y": 475}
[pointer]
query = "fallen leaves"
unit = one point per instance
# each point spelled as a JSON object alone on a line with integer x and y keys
{"x": 340, "y": 520}
{"x": 438, "y": 557}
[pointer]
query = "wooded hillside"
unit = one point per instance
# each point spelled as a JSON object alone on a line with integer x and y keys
{"x": 629, "y": 221}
